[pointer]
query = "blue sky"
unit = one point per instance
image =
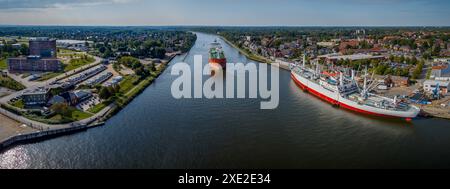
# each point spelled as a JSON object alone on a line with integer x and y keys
{"x": 227, "y": 12}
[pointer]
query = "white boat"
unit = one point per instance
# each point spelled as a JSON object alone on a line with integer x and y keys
{"x": 343, "y": 91}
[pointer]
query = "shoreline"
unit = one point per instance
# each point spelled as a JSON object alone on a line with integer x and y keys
{"x": 253, "y": 57}
{"x": 105, "y": 114}
{"x": 246, "y": 54}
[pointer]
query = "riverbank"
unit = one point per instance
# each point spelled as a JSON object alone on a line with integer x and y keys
{"x": 438, "y": 109}
{"x": 38, "y": 131}
{"x": 250, "y": 56}
{"x": 10, "y": 127}
{"x": 254, "y": 57}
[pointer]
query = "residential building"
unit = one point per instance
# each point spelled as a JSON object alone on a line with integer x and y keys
{"x": 400, "y": 81}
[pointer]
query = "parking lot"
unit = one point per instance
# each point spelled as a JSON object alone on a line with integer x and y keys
{"x": 89, "y": 103}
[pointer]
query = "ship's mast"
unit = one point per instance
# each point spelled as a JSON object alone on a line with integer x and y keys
{"x": 317, "y": 69}
{"x": 364, "y": 90}
{"x": 353, "y": 75}
{"x": 304, "y": 60}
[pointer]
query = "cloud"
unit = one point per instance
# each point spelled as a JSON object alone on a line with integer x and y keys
{"x": 37, "y": 4}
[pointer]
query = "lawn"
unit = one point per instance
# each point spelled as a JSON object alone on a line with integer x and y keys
{"x": 19, "y": 104}
{"x": 78, "y": 62}
{"x": 60, "y": 50}
{"x": 73, "y": 64}
{"x": 3, "y": 65}
{"x": 10, "y": 83}
{"x": 49, "y": 75}
{"x": 56, "y": 117}
{"x": 75, "y": 115}
{"x": 97, "y": 108}
{"x": 25, "y": 75}
{"x": 128, "y": 83}
{"x": 80, "y": 115}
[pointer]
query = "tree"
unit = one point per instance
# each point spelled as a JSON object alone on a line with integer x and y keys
{"x": 436, "y": 50}
{"x": 23, "y": 49}
{"x": 259, "y": 51}
{"x": 426, "y": 55}
{"x": 418, "y": 70}
{"x": 402, "y": 59}
{"x": 392, "y": 58}
{"x": 102, "y": 49}
{"x": 56, "y": 91}
{"x": 62, "y": 109}
{"x": 108, "y": 53}
{"x": 104, "y": 93}
{"x": 151, "y": 67}
{"x": 414, "y": 60}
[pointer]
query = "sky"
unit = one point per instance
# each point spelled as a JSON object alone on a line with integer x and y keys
{"x": 226, "y": 12}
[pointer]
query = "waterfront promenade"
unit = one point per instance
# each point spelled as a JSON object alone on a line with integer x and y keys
{"x": 14, "y": 131}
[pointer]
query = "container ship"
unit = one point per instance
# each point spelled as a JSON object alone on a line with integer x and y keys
{"x": 216, "y": 55}
{"x": 343, "y": 91}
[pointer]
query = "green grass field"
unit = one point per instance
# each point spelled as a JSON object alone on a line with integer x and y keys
{"x": 3, "y": 64}
{"x": 61, "y": 50}
{"x": 128, "y": 83}
{"x": 73, "y": 64}
{"x": 75, "y": 115}
{"x": 78, "y": 62}
{"x": 56, "y": 117}
{"x": 10, "y": 83}
{"x": 97, "y": 108}
{"x": 49, "y": 75}
{"x": 19, "y": 104}
{"x": 80, "y": 115}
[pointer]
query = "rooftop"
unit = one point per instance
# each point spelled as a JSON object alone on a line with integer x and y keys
{"x": 435, "y": 82}
{"x": 350, "y": 57}
{"x": 39, "y": 90}
{"x": 70, "y": 42}
{"x": 40, "y": 39}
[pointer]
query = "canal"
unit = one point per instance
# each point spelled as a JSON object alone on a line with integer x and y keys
{"x": 157, "y": 131}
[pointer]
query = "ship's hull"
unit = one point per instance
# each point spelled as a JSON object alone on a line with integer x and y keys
{"x": 216, "y": 62}
{"x": 335, "y": 99}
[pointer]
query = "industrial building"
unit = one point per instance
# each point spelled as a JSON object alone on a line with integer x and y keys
{"x": 73, "y": 44}
{"x": 431, "y": 85}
